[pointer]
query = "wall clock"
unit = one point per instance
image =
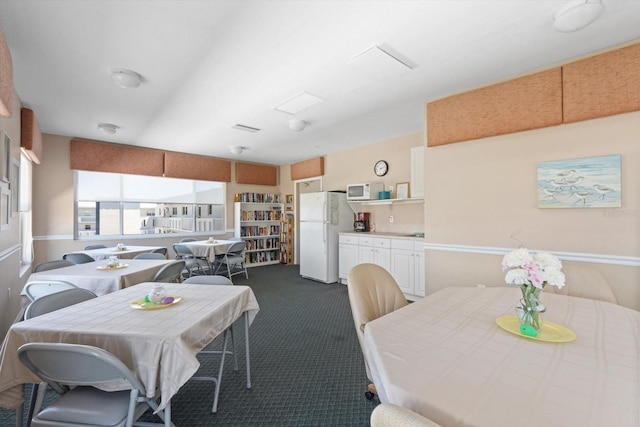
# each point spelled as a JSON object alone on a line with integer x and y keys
{"x": 381, "y": 168}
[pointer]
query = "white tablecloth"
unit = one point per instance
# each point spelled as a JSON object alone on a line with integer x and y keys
{"x": 445, "y": 358}
{"x": 160, "y": 346}
{"x": 101, "y": 282}
{"x": 128, "y": 253}
{"x": 204, "y": 249}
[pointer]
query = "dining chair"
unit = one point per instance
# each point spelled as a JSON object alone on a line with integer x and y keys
{"x": 89, "y": 247}
{"x": 192, "y": 262}
{"x": 188, "y": 239}
{"x": 388, "y": 415}
{"x": 39, "y": 288}
{"x": 584, "y": 281}
{"x": 46, "y": 304}
{"x": 78, "y": 258}
{"x": 373, "y": 292}
{"x": 75, "y": 371}
{"x": 150, "y": 255}
{"x": 218, "y": 281}
{"x": 170, "y": 272}
{"x": 52, "y": 265}
{"x": 162, "y": 251}
{"x": 232, "y": 262}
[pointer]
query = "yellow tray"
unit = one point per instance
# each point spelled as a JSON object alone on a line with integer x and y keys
{"x": 550, "y": 332}
{"x": 115, "y": 267}
{"x": 141, "y": 304}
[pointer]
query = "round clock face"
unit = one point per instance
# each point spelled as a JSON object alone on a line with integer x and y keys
{"x": 381, "y": 168}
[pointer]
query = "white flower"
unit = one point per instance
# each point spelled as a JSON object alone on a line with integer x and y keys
{"x": 518, "y": 258}
{"x": 544, "y": 260}
{"x": 517, "y": 276}
{"x": 553, "y": 277}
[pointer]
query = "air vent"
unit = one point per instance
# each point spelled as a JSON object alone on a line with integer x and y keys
{"x": 298, "y": 103}
{"x": 246, "y": 128}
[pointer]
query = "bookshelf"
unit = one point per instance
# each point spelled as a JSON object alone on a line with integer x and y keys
{"x": 286, "y": 239}
{"x": 259, "y": 225}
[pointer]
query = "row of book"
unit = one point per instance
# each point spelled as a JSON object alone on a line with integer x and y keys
{"x": 262, "y": 244}
{"x": 254, "y": 230}
{"x": 265, "y": 256}
{"x": 274, "y": 215}
{"x": 257, "y": 198}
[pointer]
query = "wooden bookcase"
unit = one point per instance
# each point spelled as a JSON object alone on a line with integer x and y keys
{"x": 259, "y": 225}
{"x": 286, "y": 239}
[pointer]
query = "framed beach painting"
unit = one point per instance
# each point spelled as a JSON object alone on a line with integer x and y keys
{"x": 590, "y": 182}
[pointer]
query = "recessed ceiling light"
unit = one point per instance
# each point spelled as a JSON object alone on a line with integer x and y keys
{"x": 107, "y": 128}
{"x": 576, "y": 14}
{"x": 126, "y": 78}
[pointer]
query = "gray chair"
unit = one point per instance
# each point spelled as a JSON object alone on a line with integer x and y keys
{"x": 191, "y": 261}
{"x": 162, "y": 251}
{"x": 219, "y": 281}
{"x": 150, "y": 255}
{"x": 373, "y": 292}
{"x": 89, "y": 247}
{"x": 74, "y": 371}
{"x": 52, "y": 265}
{"x": 170, "y": 272}
{"x": 232, "y": 262}
{"x": 39, "y": 288}
{"x": 188, "y": 239}
{"x": 57, "y": 300}
{"x": 78, "y": 258}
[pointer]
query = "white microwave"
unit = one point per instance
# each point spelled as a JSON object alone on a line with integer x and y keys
{"x": 367, "y": 191}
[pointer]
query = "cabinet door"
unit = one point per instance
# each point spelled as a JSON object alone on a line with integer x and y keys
{"x": 402, "y": 269}
{"x": 348, "y": 258}
{"x": 382, "y": 257}
{"x": 366, "y": 254}
{"x": 419, "y": 273}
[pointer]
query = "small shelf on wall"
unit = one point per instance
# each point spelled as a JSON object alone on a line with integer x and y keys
{"x": 356, "y": 204}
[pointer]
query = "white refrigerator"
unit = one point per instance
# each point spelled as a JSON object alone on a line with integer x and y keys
{"x": 322, "y": 216}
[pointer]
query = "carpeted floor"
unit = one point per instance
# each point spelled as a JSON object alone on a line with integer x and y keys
{"x": 306, "y": 364}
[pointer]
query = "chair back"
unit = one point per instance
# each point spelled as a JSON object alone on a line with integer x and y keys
{"x": 373, "y": 292}
{"x": 52, "y": 265}
{"x": 39, "y": 288}
{"x": 89, "y": 247}
{"x": 171, "y": 272}
{"x": 182, "y": 251}
{"x": 237, "y": 248}
{"x": 78, "y": 258}
{"x": 61, "y": 364}
{"x": 56, "y": 301}
{"x": 584, "y": 281}
{"x": 150, "y": 255}
{"x": 162, "y": 251}
{"x": 209, "y": 280}
{"x": 188, "y": 239}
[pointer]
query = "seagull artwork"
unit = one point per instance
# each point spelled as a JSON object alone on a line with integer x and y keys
{"x": 581, "y": 195}
{"x": 551, "y": 192}
{"x": 602, "y": 189}
{"x": 557, "y": 184}
{"x": 566, "y": 174}
{"x": 573, "y": 182}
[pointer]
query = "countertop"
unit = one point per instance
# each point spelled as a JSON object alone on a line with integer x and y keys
{"x": 383, "y": 234}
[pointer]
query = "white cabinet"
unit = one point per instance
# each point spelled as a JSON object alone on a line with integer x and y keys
{"x": 407, "y": 266}
{"x": 403, "y": 258}
{"x": 348, "y": 255}
{"x": 375, "y": 250}
{"x": 417, "y": 172}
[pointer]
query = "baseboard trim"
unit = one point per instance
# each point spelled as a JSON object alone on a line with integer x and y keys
{"x": 565, "y": 256}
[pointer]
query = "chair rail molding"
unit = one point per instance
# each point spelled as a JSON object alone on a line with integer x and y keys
{"x": 565, "y": 256}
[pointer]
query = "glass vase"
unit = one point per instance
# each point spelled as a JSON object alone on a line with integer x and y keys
{"x": 531, "y": 311}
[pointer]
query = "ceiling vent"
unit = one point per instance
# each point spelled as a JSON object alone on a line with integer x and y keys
{"x": 246, "y": 128}
{"x": 299, "y": 102}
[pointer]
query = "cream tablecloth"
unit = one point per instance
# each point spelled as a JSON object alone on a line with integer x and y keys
{"x": 101, "y": 282}
{"x": 445, "y": 358}
{"x": 204, "y": 249}
{"x": 160, "y": 346}
{"x": 128, "y": 253}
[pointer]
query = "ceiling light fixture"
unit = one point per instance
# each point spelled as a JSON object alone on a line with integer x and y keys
{"x": 126, "y": 78}
{"x": 297, "y": 125}
{"x": 236, "y": 149}
{"x": 107, "y": 128}
{"x": 576, "y": 14}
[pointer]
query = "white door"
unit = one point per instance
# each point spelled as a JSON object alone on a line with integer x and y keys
{"x": 313, "y": 251}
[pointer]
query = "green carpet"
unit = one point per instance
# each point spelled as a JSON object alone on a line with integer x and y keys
{"x": 306, "y": 364}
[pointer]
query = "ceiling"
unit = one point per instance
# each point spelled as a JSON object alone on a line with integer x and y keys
{"x": 209, "y": 65}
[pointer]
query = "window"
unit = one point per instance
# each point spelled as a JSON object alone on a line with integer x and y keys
{"x": 109, "y": 204}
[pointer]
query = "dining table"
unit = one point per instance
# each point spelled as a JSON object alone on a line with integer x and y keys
{"x": 99, "y": 278}
{"x": 158, "y": 343}
{"x": 125, "y": 252}
{"x": 209, "y": 249}
{"x": 452, "y": 358}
